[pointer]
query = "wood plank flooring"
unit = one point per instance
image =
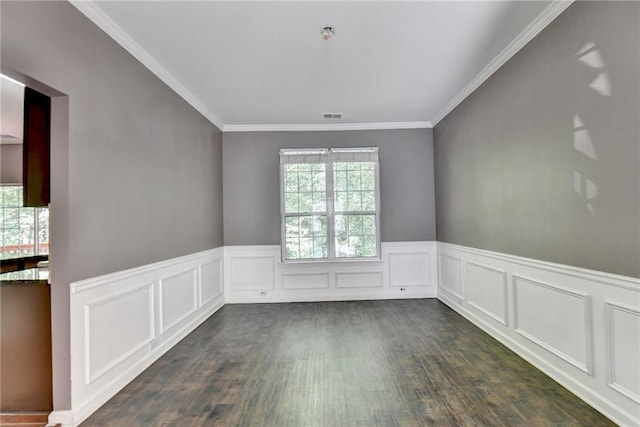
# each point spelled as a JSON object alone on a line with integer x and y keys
{"x": 361, "y": 363}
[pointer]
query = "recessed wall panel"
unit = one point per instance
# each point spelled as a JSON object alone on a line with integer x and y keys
{"x": 358, "y": 280}
{"x": 211, "y": 281}
{"x": 107, "y": 346}
{"x": 409, "y": 269}
{"x": 451, "y": 274}
{"x": 252, "y": 273}
{"x": 305, "y": 281}
{"x": 555, "y": 318}
{"x": 178, "y": 298}
{"x": 487, "y": 291}
{"x": 624, "y": 350}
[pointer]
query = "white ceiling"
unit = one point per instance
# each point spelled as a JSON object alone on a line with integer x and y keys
{"x": 263, "y": 65}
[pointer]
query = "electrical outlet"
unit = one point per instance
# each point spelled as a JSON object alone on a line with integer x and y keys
{"x": 403, "y": 289}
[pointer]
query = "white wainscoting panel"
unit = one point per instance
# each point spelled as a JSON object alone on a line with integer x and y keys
{"x": 450, "y": 271}
{"x": 623, "y": 330}
{"x": 581, "y": 327}
{"x": 359, "y": 280}
{"x": 252, "y": 272}
{"x": 178, "y": 298}
{"x": 305, "y": 281}
{"x": 105, "y": 350}
{"x": 256, "y": 274}
{"x": 410, "y": 268}
{"x": 211, "y": 281}
{"x": 487, "y": 291}
{"x": 555, "y": 318}
{"x": 123, "y": 322}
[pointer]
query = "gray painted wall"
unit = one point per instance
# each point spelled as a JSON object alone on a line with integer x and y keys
{"x": 252, "y": 192}
{"x": 143, "y": 168}
{"x": 542, "y": 160}
{"x": 11, "y": 164}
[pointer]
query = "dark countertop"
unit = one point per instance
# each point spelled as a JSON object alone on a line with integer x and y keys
{"x": 21, "y": 263}
{"x": 31, "y": 276}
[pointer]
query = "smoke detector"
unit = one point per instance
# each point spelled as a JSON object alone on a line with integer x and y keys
{"x": 327, "y": 32}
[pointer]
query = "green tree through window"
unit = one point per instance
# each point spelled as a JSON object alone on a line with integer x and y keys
{"x": 23, "y": 231}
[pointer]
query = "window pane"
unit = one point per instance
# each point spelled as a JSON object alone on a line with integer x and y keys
{"x": 367, "y": 166}
{"x": 355, "y": 225}
{"x": 291, "y": 181}
{"x": 368, "y": 201}
{"x": 306, "y": 237}
{"x": 355, "y": 236}
{"x": 355, "y": 202}
{"x": 43, "y": 229}
{"x": 340, "y": 201}
{"x": 368, "y": 246}
{"x": 292, "y": 249}
{"x": 305, "y": 181}
{"x": 368, "y": 180}
{"x": 340, "y": 183}
{"x": 11, "y": 218}
{"x": 291, "y": 202}
{"x": 305, "y": 226}
{"x": 18, "y": 225}
{"x": 306, "y": 248}
{"x": 305, "y": 202}
{"x": 340, "y": 166}
{"x": 320, "y": 247}
{"x": 292, "y": 227}
{"x": 369, "y": 225}
{"x": 12, "y": 196}
{"x": 319, "y": 201}
{"x": 319, "y": 180}
{"x": 353, "y": 180}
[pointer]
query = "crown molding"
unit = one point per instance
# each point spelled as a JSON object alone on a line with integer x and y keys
{"x": 326, "y": 127}
{"x": 106, "y": 24}
{"x": 550, "y": 13}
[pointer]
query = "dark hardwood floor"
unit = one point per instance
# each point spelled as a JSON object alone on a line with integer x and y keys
{"x": 366, "y": 363}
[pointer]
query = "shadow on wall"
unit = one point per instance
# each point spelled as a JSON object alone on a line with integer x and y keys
{"x": 583, "y": 184}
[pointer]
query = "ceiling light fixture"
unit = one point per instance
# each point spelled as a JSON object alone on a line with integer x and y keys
{"x": 327, "y": 32}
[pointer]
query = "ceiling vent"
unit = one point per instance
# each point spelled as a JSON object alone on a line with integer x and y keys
{"x": 332, "y": 115}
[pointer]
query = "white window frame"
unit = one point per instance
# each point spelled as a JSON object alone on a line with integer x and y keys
{"x": 328, "y": 156}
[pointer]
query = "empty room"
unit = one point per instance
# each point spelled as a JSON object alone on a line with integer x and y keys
{"x": 324, "y": 213}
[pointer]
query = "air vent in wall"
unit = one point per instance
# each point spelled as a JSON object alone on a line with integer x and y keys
{"x": 332, "y": 115}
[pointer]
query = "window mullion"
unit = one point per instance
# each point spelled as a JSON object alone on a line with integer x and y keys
{"x": 36, "y": 229}
{"x": 331, "y": 251}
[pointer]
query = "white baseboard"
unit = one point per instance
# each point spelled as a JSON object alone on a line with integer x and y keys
{"x": 255, "y": 274}
{"x": 62, "y": 418}
{"x": 123, "y": 322}
{"x": 580, "y": 327}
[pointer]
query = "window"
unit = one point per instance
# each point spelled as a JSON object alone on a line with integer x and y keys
{"x": 23, "y": 231}
{"x": 330, "y": 204}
